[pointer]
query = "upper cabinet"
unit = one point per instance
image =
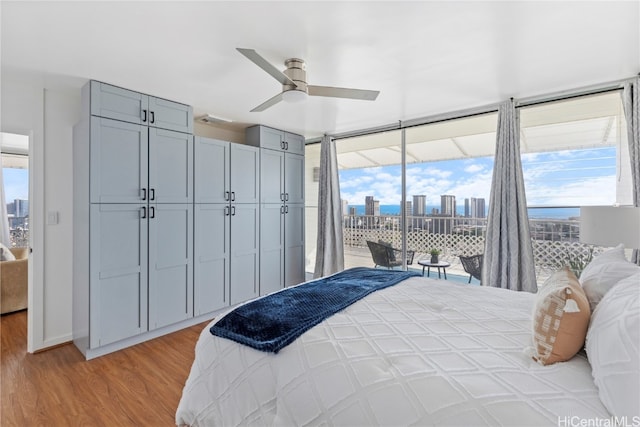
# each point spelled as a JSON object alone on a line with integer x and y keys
{"x": 121, "y": 104}
{"x": 274, "y": 139}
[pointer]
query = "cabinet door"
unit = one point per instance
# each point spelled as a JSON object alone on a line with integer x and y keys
{"x": 245, "y": 174}
{"x": 271, "y": 174}
{"x": 271, "y": 248}
{"x": 294, "y": 143}
{"x": 170, "y": 115}
{"x": 211, "y": 174}
{"x": 119, "y": 104}
{"x": 118, "y": 161}
{"x": 294, "y": 245}
{"x": 245, "y": 252}
{"x": 170, "y": 264}
{"x": 271, "y": 138}
{"x": 211, "y": 258}
{"x": 118, "y": 272}
{"x": 170, "y": 166}
{"x": 294, "y": 178}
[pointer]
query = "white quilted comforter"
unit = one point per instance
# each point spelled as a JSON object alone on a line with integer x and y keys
{"x": 423, "y": 352}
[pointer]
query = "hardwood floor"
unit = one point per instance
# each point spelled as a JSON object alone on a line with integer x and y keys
{"x": 139, "y": 386}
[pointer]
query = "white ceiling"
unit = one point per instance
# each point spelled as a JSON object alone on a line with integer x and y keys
{"x": 426, "y": 57}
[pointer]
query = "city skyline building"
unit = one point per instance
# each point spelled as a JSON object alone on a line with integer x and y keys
{"x": 448, "y": 205}
{"x": 419, "y": 205}
{"x": 474, "y": 208}
{"x": 371, "y": 206}
{"x": 407, "y": 207}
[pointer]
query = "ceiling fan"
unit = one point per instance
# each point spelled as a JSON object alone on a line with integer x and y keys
{"x": 294, "y": 83}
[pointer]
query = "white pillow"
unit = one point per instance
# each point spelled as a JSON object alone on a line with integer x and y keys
{"x": 6, "y": 254}
{"x": 612, "y": 345}
{"x": 603, "y": 272}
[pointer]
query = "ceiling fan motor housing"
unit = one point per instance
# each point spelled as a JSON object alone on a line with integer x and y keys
{"x": 296, "y": 72}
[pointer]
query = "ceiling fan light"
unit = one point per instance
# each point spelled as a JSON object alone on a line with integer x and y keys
{"x": 294, "y": 96}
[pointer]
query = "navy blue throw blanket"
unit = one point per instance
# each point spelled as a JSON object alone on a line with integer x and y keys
{"x": 275, "y": 321}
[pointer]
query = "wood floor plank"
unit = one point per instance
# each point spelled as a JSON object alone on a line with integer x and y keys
{"x": 140, "y": 385}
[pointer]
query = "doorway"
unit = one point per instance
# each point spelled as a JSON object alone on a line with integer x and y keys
{"x": 15, "y": 219}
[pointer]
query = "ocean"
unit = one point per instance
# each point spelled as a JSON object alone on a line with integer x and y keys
{"x": 537, "y": 213}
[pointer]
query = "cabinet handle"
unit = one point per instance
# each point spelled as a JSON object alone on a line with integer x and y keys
{"x": 144, "y": 212}
{"x": 152, "y": 210}
{"x": 226, "y": 211}
{"x": 282, "y": 197}
{"x": 152, "y": 194}
{"x": 233, "y": 196}
{"x": 286, "y": 145}
{"x": 282, "y": 209}
{"x": 233, "y": 211}
{"x": 286, "y": 197}
{"x": 226, "y": 196}
{"x": 286, "y": 209}
{"x": 144, "y": 116}
{"x": 144, "y": 194}
{"x": 153, "y": 116}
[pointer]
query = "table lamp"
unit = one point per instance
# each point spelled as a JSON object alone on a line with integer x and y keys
{"x": 610, "y": 225}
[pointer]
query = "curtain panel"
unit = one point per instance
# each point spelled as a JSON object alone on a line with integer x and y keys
{"x": 508, "y": 257}
{"x": 631, "y": 103}
{"x": 330, "y": 248}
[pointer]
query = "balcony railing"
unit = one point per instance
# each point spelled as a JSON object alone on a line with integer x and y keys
{"x": 555, "y": 241}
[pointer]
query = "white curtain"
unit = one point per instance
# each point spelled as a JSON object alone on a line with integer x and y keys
{"x": 631, "y": 103}
{"x": 508, "y": 257}
{"x": 4, "y": 217}
{"x": 329, "y": 249}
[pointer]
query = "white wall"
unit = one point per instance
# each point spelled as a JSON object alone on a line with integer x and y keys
{"x": 47, "y": 116}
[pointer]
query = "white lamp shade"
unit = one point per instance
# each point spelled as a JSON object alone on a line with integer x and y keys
{"x": 610, "y": 225}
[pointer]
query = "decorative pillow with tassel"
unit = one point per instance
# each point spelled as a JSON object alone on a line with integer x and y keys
{"x": 560, "y": 319}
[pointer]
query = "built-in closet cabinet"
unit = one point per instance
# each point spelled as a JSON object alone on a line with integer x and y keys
{"x": 129, "y": 106}
{"x": 274, "y": 139}
{"x": 281, "y": 207}
{"x": 133, "y": 218}
{"x": 227, "y": 223}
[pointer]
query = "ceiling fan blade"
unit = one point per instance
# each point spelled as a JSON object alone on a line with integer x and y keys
{"x": 268, "y": 103}
{"x": 341, "y": 92}
{"x": 254, "y": 57}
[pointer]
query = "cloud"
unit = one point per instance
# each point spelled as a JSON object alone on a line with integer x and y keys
{"x": 473, "y": 168}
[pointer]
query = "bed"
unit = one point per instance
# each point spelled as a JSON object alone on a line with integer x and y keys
{"x": 422, "y": 352}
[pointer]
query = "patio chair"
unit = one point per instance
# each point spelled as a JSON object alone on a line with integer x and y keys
{"x": 472, "y": 265}
{"x": 386, "y": 256}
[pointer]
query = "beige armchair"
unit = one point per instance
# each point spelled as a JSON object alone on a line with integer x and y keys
{"x": 13, "y": 281}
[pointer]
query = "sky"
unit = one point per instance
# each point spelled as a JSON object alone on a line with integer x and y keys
{"x": 561, "y": 178}
{"x": 16, "y": 184}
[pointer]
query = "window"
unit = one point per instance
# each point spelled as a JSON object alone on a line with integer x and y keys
{"x": 574, "y": 153}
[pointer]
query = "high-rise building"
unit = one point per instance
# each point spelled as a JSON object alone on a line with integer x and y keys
{"x": 447, "y": 205}
{"x": 407, "y": 208}
{"x": 345, "y": 207}
{"x": 467, "y": 208}
{"x": 371, "y": 206}
{"x": 353, "y": 211}
{"x": 419, "y": 205}
{"x": 21, "y": 208}
{"x": 477, "y": 208}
